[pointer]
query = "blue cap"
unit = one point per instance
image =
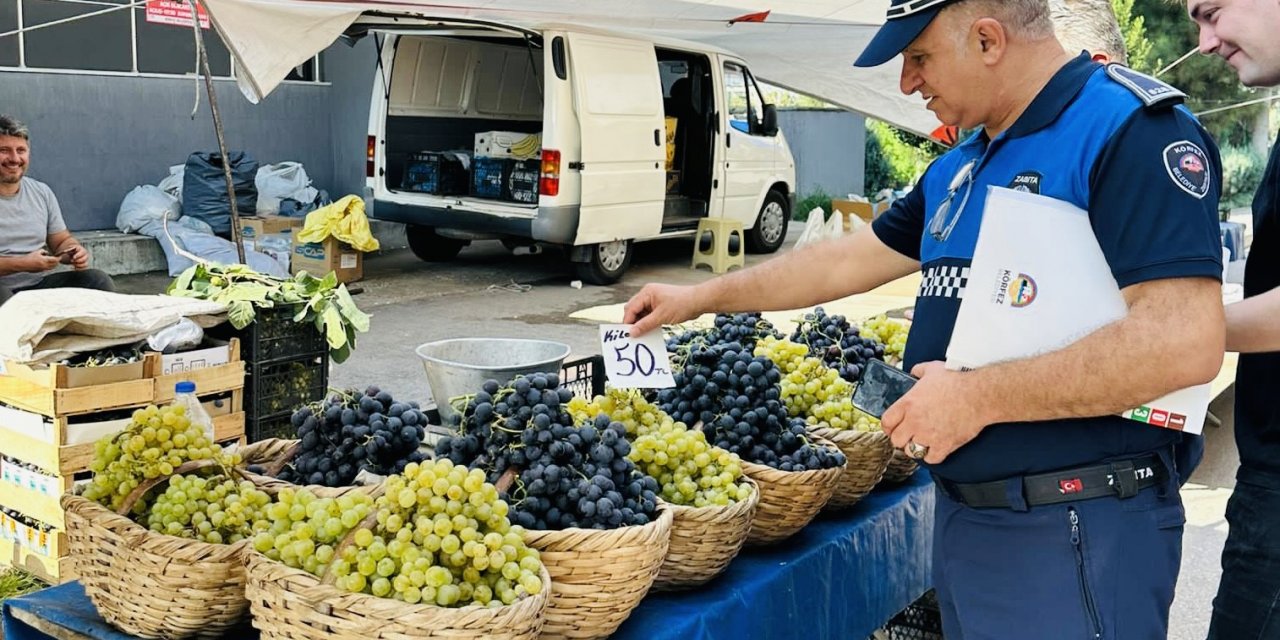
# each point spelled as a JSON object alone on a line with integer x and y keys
{"x": 904, "y": 22}
{"x": 185, "y": 387}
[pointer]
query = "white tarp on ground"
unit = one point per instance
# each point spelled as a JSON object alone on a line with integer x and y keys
{"x": 804, "y": 45}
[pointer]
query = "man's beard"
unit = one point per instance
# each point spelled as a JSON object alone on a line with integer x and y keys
{"x": 6, "y": 178}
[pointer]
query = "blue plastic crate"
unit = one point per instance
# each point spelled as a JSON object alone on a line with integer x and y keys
{"x": 438, "y": 173}
{"x": 488, "y": 176}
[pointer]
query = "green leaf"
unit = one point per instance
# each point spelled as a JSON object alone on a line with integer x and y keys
{"x": 340, "y": 355}
{"x": 240, "y": 313}
{"x": 183, "y": 281}
{"x": 249, "y": 292}
{"x": 333, "y": 329}
{"x": 330, "y": 281}
{"x": 355, "y": 317}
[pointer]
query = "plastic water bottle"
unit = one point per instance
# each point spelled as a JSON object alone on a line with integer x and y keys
{"x": 184, "y": 395}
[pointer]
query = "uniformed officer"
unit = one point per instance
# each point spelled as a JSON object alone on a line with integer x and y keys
{"x": 1054, "y": 518}
{"x": 1243, "y": 33}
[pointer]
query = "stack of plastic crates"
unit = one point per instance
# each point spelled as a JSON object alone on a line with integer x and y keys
{"x": 919, "y": 621}
{"x": 286, "y": 366}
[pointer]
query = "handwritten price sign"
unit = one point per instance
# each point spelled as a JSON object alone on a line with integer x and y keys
{"x": 635, "y": 362}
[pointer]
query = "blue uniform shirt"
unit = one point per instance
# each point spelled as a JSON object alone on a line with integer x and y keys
{"x": 1114, "y": 143}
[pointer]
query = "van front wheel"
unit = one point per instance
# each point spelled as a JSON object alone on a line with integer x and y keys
{"x": 771, "y": 225}
{"x": 430, "y": 246}
{"x": 605, "y": 262}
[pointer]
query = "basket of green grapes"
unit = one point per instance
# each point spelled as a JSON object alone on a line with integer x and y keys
{"x": 157, "y": 535}
{"x": 711, "y": 501}
{"x": 434, "y": 557}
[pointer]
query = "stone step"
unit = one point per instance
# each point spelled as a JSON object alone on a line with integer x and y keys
{"x": 128, "y": 253}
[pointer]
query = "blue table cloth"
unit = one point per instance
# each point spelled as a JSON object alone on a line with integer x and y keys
{"x": 842, "y": 577}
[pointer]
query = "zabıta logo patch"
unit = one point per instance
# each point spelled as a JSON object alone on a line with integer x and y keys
{"x": 1015, "y": 289}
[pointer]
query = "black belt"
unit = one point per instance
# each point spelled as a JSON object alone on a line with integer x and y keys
{"x": 1121, "y": 479}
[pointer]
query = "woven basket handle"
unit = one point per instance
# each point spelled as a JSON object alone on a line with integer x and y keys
{"x": 283, "y": 459}
{"x": 328, "y": 577}
{"x": 151, "y": 483}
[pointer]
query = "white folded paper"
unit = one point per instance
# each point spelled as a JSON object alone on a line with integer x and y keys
{"x": 1039, "y": 282}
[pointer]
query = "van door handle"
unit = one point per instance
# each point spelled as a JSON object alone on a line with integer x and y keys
{"x": 657, "y": 137}
{"x": 728, "y": 140}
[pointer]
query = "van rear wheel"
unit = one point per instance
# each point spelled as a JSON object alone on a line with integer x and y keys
{"x": 606, "y": 262}
{"x": 771, "y": 225}
{"x": 430, "y": 246}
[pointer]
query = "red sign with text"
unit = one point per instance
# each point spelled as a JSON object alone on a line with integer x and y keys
{"x": 177, "y": 14}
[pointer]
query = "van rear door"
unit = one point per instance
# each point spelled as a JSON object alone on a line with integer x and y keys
{"x": 618, "y": 100}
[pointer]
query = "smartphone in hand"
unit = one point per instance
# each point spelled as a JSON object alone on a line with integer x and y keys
{"x": 879, "y": 386}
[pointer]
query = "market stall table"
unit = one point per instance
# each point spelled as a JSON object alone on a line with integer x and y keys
{"x": 843, "y": 576}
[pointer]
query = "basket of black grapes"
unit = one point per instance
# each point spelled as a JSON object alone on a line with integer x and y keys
{"x": 711, "y": 501}
{"x": 350, "y": 438}
{"x": 735, "y": 398}
{"x": 596, "y": 520}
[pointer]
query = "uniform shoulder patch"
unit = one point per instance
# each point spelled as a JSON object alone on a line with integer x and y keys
{"x": 1152, "y": 92}
{"x": 1188, "y": 167}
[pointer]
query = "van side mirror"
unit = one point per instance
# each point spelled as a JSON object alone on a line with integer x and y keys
{"x": 770, "y": 125}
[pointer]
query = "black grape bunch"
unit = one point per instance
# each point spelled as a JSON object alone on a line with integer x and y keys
{"x": 836, "y": 342}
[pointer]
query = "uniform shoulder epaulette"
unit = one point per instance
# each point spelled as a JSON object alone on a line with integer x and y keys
{"x": 1153, "y": 93}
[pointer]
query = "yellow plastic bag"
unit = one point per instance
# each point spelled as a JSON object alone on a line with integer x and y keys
{"x": 344, "y": 220}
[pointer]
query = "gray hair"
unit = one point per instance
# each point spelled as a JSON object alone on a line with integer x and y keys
{"x": 11, "y": 126}
{"x": 1088, "y": 25}
{"x": 1026, "y": 18}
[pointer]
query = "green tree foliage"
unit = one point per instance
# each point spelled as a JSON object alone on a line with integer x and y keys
{"x": 895, "y": 158}
{"x": 1207, "y": 80}
{"x": 1133, "y": 29}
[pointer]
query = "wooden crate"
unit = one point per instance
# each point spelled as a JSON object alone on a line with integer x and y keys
{"x": 52, "y": 569}
{"x": 49, "y": 391}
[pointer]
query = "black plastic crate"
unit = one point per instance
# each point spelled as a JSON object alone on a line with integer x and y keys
{"x": 438, "y": 173}
{"x": 523, "y": 181}
{"x": 276, "y": 426}
{"x": 274, "y": 336}
{"x": 584, "y": 377}
{"x": 281, "y": 387}
{"x": 919, "y": 621}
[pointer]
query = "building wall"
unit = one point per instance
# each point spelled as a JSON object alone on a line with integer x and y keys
{"x": 95, "y": 137}
{"x": 829, "y": 148}
{"x": 352, "y": 72}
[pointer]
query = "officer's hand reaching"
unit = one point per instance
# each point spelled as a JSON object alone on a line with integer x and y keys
{"x": 659, "y": 304}
{"x": 943, "y": 412}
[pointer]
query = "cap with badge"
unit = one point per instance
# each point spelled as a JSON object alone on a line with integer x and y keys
{"x": 904, "y": 22}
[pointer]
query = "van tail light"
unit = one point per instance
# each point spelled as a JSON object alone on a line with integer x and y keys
{"x": 369, "y": 154}
{"x": 549, "y": 184}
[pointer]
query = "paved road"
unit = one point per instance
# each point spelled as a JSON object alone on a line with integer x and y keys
{"x": 488, "y": 292}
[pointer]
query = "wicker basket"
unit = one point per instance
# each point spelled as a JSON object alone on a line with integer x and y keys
{"x": 599, "y": 576}
{"x": 274, "y": 453}
{"x": 704, "y": 541}
{"x": 788, "y": 499}
{"x": 868, "y": 453}
{"x": 292, "y": 604}
{"x": 152, "y": 585}
{"x": 900, "y": 468}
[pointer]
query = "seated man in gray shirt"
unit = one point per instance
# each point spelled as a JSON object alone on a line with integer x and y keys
{"x": 33, "y": 238}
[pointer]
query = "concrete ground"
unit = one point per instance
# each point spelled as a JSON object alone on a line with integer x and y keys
{"x": 488, "y": 292}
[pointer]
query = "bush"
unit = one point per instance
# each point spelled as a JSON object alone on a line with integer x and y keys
{"x": 1242, "y": 169}
{"x": 895, "y": 159}
{"x": 806, "y": 204}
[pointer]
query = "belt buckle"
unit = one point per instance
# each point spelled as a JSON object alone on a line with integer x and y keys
{"x": 1123, "y": 479}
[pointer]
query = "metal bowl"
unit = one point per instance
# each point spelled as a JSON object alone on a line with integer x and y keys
{"x": 460, "y": 366}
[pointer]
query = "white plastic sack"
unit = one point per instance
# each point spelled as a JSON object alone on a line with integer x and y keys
{"x": 184, "y": 335}
{"x": 834, "y": 227}
{"x": 172, "y": 184}
{"x": 146, "y": 204}
{"x": 814, "y": 229}
{"x": 276, "y": 182}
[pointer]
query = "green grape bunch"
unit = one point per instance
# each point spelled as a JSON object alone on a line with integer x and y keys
{"x": 217, "y": 509}
{"x": 157, "y": 441}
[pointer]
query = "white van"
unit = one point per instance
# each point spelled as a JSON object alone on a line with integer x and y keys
{"x": 600, "y": 180}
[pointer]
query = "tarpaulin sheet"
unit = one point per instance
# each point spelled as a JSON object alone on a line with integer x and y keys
{"x": 840, "y": 578}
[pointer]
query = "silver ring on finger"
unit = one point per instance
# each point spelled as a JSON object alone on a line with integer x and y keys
{"x": 916, "y": 450}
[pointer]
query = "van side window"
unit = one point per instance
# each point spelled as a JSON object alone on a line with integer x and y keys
{"x": 745, "y": 104}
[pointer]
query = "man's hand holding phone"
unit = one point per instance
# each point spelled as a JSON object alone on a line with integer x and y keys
{"x": 928, "y": 414}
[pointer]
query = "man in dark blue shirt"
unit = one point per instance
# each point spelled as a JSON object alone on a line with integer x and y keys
{"x": 1055, "y": 518}
{"x": 1243, "y": 33}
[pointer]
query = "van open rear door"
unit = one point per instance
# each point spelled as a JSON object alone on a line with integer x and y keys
{"x": 618, "y": 100}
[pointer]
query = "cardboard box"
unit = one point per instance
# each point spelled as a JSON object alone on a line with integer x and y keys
{"x": 194, "y": 360}
{"x": 319, "y": 258}
{"x": 508, "y": 144}
{"x": 673, "y": 182}
{"x": 671, "y": 124}
{"x": 252, "y": 228}
{"x": 865, "y": 210}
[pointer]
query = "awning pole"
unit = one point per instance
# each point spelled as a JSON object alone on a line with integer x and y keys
{"x": 217, "y": 129}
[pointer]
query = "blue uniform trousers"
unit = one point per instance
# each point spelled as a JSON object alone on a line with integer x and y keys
{"x": 1094, "y": 569}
